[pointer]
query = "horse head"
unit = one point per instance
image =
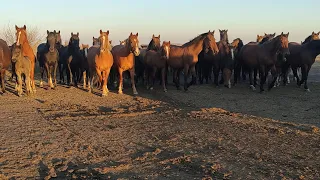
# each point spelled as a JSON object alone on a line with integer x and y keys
{"x": 133, "y": 44}
{"x": 21, "y": 35}
{"x": 209, "y": 43}
{"x": 51, "y": 40}
{"x": 165, "y": 49}
{"x": 104, "y": 40}
{"x": 154, "y": 43}
{"x": 74, "y": 41}
{"x": 259, "y": 38}
{"x": 224, "y": 35}
{"x": 16, "y": 52}
{"x": 283, "y": 39}
{"x": 95, "y": 41}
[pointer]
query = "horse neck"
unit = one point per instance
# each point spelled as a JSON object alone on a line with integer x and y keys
{"x": 272, "y": 47}
{"x": 196, "y": 47}
{"x": 127, "y": 49}
{"x": 308, "y": 39}
{"x": 315, "y": 51}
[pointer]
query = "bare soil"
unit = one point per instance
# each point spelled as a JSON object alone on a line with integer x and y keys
{"x": 205, "y": 133}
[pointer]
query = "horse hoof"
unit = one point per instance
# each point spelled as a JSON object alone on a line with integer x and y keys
{"x": 151, "y": 88}
{"x": 120, "y": 92}
{"x": 308, "y": 90}
{"x": 165, "y": 90}
{"x": 135, "y": 93}
{"x": 104, "y": 94}
{"x": 252, "y": 87}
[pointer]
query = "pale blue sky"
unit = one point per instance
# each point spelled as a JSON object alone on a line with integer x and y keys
{"x": 176, "y": 20}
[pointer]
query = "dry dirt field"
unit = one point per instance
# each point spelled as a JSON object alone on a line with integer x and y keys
{"x": 205, "y": 133}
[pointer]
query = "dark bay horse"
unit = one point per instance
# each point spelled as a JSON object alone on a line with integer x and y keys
{"x": 48, "y": 59}
{"x": 5, "y": 62}
{"x": 124, "y": 60}
{"x": 251, "y": 66}
{"x": 75, "y": 62}
{"x": 100, "y": 60}
{"x": 154, "y": 45}
{"x": 185, "y": 58}
{"x": 264, "y": 57}
{"x": 303, "y": 56}
{"x": 22, "y": 67}
{"x": 21, "y": 38}
{"x": 155, "y": 60}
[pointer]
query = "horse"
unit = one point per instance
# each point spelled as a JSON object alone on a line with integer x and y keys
{"x": 259, "y": 38}
{"x": 21, "y": 38}
{"x": 75, "y": 61}
{"x": 250, "y": 66}
{"x": 154, "y": 60}
{"x": 154, "y": 45}
{"x": 124, "y": 60}
{"x": 22, "y": 66}
{"x": 208, "y": 60}
{"x": 264, "y": 56}
{"x": 100, "y": 60}
{"x": 5, "y": 62}
{"x": 303, "y": 56}
{"x": 186, "y": 56}
{"x": 122, "y": 42}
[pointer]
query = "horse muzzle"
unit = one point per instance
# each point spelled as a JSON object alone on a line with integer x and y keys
{"x": 51, "y": 50}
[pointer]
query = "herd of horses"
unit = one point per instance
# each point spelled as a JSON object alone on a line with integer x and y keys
{"x": 202, "y": 56}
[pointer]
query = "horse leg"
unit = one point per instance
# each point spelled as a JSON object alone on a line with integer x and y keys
{"x": 19, "y": 88}
{"x": 84, "y": 74}
{"x": 120, "y": 71}
{"x": 135, "y": 92}
{"x": 227, "y": 75}
{"x": 69, "y": 79}
{"x": 33, "y": 85}
{"x": 250, "y": 79}
{"x": 104, "y": 83}
{"x": 153, "y": 76}
{"x": 194, "y": 76}
{"x": 163, "y": 76}
{"x": 295, "y": 74}
{"x": 304, "y": 70}
{"x": 2, "y": 77}
{"x": 55, "y": 74}
{"x": 186, "y": 73}
{"x": 41, "y": 78}
{"x": 275, "y": 77}
{"x": 28, "y": 84}
{"x": 306, "y": 79}
{"x": 263, "y": 76}
{"x": 49, "y": 75}
{"x": 216, "y": 76}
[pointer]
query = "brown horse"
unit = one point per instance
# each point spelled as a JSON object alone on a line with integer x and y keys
{"x": 154, "y": 45}
{"x": 100, "y": 61}
{"x": 243, "y": 67}
{"x": 22, "y": 66}
{"x": 21, "y": 38}
{"x": 259, "y": 38}
{"x": 186, "y": 56}
{"x": 5, "y": 62}
{"x": 264, "y": 57}
{"x": 154, "y": 60}
{"x": 124, "y": 60}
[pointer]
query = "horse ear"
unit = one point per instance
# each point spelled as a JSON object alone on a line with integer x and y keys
{"x": 110, "y": 41}
{"x": 313, "y": 33}
{"x": 137, "y": 34}
{"x": 227, "y": 30}
{"x": 77, "y": 33}
{"x": 59, "y": 32}
{"x": 257, "y": 35}
{"x": 92, "y": 37}
{"x": 213, "y": 31}
{"x": 55, "y": 31}
{"x": 17, "y": 27}
{"x": 159, "y": 36}
{"x": 72, "y": 34}
{"x": 274, "y": 34}
{"x": 131, "y": 34}
{"x": 108, "y": 32}
{"x": 288, "y": 34}
{"x": 318, "y": 33}
{"x": 100, "y": 31}
{"x": 265, "y": 34}
{"x": 152, "y": 35}
{"x": 282, "y": 34}
{"x": 220, "y": 30}
{"x": 169, "y": 42}
{"x": 47, "y": 32}
{"x": 24, "y": 27}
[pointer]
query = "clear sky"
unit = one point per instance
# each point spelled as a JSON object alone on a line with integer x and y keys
{"x": 176, "y": 20}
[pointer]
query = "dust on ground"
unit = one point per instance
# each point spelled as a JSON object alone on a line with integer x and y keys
{"x": 205, "y": 133}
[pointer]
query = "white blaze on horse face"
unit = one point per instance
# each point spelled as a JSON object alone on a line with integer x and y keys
{"x": 167, "y": 52}
{"x": 137, "y": 51}
{"x": 86, "y": 52}
{"x": 232, "y": 54}
{"x": 18, "y": 41}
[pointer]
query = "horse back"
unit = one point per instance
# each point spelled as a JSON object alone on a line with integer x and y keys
{"x": 248, "y": 54}
{"x": 121, "y": 58}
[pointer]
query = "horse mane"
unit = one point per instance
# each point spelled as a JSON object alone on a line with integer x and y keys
{"x": 308, "y": 39}
{"x": 265, "y": 39}
{"x": 195, "y": 40}
{"x": 240, "y": 44}
{"x": 151, "y": 45}
{"x": 272, "y": 40}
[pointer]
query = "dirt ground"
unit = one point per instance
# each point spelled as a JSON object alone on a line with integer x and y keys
{"x": 205, "y": 133}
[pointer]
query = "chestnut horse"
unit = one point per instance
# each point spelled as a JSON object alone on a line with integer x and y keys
{"x": 154, "y": 60}
{"x": 21, "y": 38}
{"x": 5, "y": 62}
{"x": 124, "y": 60}
{"x": 100, "y": 61}
{"x": 303, "y": 56}
{"x": 186, "y": 56}
{"x": 264, "y": 57}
